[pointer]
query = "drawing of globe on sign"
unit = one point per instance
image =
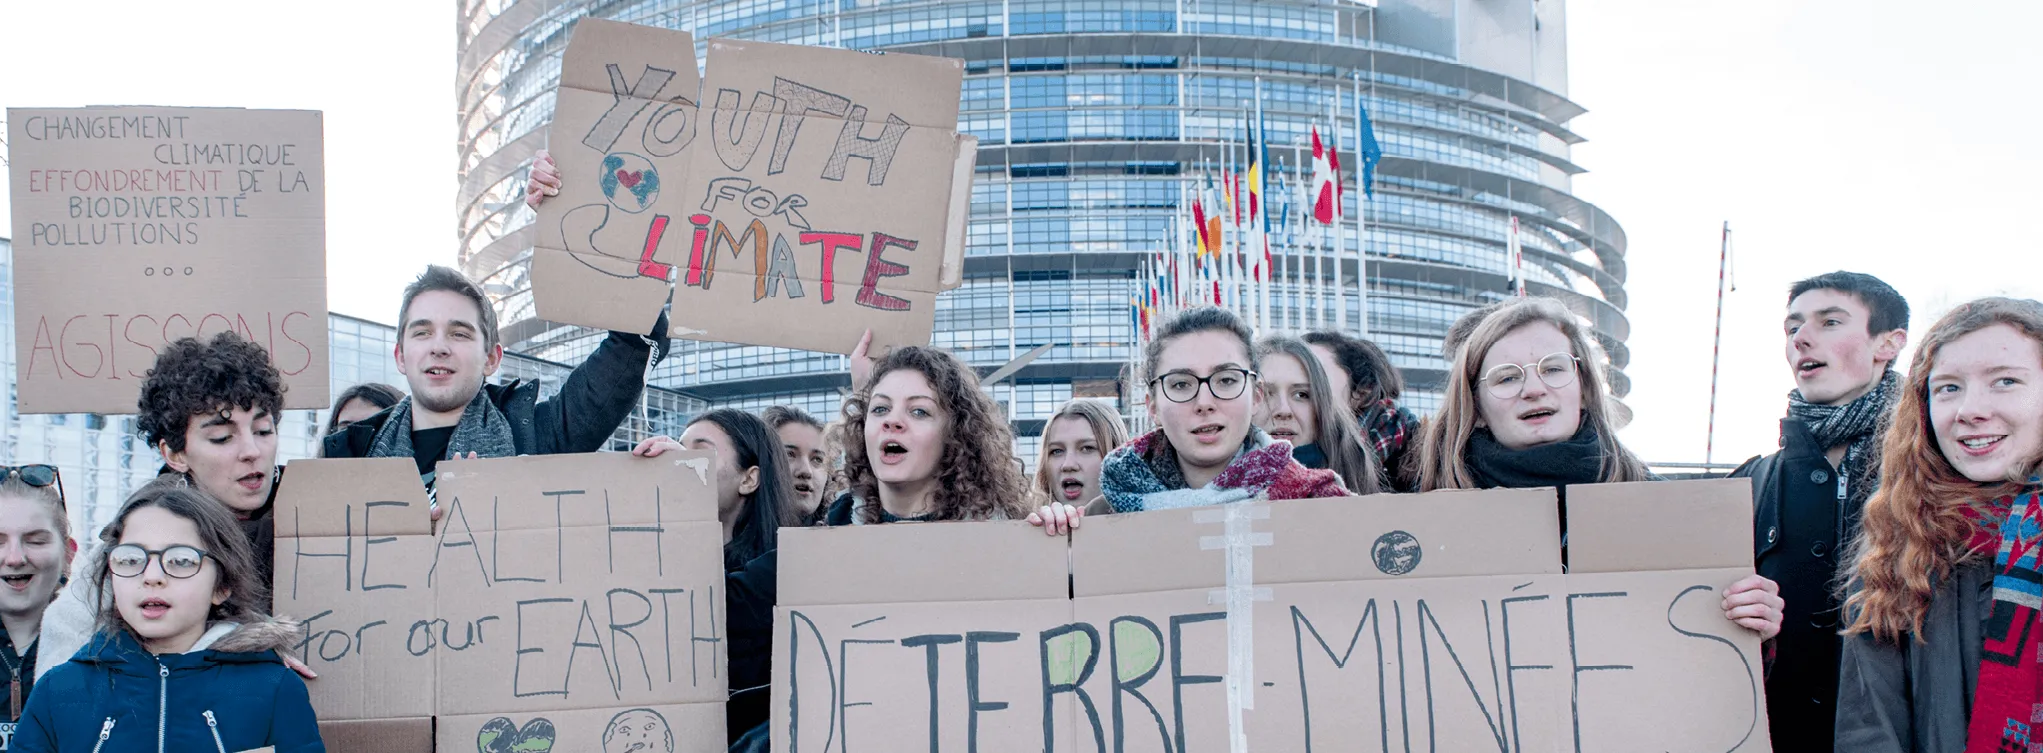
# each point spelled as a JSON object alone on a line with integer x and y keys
{"x": 630, "y": 181}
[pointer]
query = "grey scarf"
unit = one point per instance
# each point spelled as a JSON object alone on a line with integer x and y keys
{"x": 483, "y": 430}
{"x": 1858, "y": 423}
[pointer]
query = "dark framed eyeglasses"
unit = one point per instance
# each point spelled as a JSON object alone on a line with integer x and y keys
{"x": 129, "y": 560}
{"x": 1225, "y": 384}
{"x": 38, "y": 475}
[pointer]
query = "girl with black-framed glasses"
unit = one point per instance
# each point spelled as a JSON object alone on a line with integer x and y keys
{"x": 183, "y": 656}
{"x": 1202, "y": 383}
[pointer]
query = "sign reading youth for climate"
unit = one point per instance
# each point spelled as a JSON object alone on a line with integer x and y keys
{"x": 800, "y": 197}
{"x": 137, "y": 226}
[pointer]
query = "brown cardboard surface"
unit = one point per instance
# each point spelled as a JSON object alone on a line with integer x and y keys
{"x": 623, "y": 122}
{"x": 136, "y": 226}
{"x": 1318, "y": 540}
{"x": 413, "y": 735}
{"x": 921, "y": 636}
{"x": 1421, "y": 622}
{"x": 821, "y": 192}
{"x": 568, "y": 587}
{"x": 1654, "y": 525}
{"x": 353, "y": 547}
{"x": 922, "y": 562}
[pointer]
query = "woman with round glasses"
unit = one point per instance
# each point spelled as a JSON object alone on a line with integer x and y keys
{"x": 1526, "y": 407}
{"x": 1202, "y": 374}
{"x": 1523, "y": 409}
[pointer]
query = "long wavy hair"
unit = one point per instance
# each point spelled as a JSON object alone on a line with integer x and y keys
{"x": 1107, "y": 429}
{"x": 1443, "y": 460}
{"x": 976, "y": 477}
{"x": 1918, "y": 526}
{"x": 1347, "y": 450}
{"x": 768, "y": 507}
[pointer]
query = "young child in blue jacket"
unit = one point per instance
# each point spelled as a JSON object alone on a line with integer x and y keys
{"x": 184, "y": 659}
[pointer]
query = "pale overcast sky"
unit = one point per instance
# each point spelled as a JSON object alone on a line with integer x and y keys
{"x": 1895, "y": 138}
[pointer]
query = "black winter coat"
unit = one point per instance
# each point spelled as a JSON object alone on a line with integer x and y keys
{"x": 1802, "y": 523}
{"x": 594, "y": 401}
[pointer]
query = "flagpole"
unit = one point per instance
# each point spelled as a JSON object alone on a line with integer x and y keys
{"x": 1716, "y": 348}
{"x": 1361, "y": 210}
{"x": 1262, "y": 158}
{"x": 1330, "y": 235}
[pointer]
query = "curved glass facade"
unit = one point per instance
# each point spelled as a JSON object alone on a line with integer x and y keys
{"x": 1092, "y": 116}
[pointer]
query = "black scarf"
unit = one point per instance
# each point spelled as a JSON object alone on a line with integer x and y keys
{"x": 1857, "y": 423}
{"x": 1575, "y": 460}
{"x": 1309, "y": 455}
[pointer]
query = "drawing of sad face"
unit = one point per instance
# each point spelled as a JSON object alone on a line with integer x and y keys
{"x": 638, "y": 731}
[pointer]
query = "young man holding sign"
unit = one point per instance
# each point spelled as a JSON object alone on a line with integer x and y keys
{"x": 447, "y": 345}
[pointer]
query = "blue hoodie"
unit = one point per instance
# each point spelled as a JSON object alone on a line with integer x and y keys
{"x": 232, "y": 694}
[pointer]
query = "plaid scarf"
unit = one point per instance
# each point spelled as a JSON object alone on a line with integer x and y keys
{"x": 1390, "y": 427}
{"x": 2007, "y": 706}
{"x": 1858, "y": 423}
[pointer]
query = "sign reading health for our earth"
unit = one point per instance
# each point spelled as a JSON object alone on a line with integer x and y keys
{"x": 798, "y": 197}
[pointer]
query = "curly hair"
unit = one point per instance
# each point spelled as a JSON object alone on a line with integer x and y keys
{"x": 976, "y": 480}
{"x": 220, "y": 536}
{"x": 1917, "y": 525}
{"x": 192, "y": 378}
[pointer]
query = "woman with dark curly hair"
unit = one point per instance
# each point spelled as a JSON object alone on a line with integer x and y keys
{"x": 924, "y": 443}
{"x": 211, "y": 410}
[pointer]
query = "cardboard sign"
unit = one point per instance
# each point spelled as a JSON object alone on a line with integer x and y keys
{"x": 137, "y": 226}
{"x": 820, "y": 187}
{"x": 622, "y": 128}
{"x": 566, "y": 601}
{"x": 826, "y": 199}
{"x": 1390, "y": 622}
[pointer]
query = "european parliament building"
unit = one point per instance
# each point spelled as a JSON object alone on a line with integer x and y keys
{"x": 1092, "y": 116}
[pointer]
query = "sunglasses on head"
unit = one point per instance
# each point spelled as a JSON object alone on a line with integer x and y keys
{"x": 37, "y": 475}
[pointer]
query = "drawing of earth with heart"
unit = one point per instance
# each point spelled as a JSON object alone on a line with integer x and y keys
{"x": 630, "y": 181}
{"x": 501, "y": 735}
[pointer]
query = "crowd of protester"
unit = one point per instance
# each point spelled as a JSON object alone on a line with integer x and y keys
{"x": 1896, "y": 585}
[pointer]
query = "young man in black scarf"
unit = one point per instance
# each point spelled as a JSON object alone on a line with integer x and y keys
{"x": 1844, "y": 330}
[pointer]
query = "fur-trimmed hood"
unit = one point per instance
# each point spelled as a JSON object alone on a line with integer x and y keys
{"x": 224, "y": 642}
{"x": 267, "y": 634}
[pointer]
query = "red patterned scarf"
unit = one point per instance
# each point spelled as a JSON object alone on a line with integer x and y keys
{"x": 2007, "y": 707}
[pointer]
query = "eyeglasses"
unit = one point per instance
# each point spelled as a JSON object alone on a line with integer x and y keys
{"x": 1225, "y": 384}
{"x": 1507, "y": 381}
{"x": 38, "y": 476}
{"x": 129, "y": 560}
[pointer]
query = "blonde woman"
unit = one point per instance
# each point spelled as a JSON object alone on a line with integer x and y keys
{"x": 1526, "y": 407}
